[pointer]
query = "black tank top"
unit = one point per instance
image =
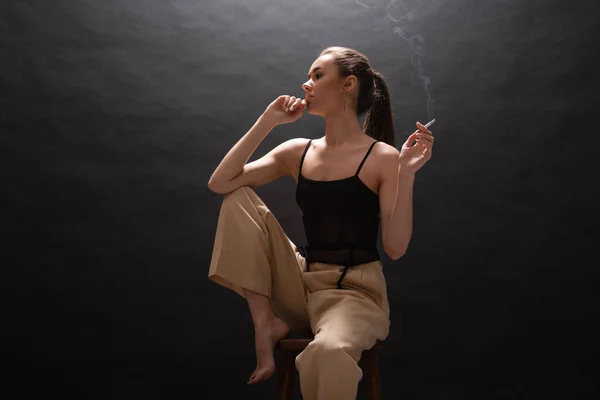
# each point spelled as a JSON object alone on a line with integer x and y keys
{"x": 341, "y": 218}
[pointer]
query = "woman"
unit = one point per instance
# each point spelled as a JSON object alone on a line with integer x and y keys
{"x": 333, "y": 288}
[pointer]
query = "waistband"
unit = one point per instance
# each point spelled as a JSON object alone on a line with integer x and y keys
{"x": 348, "y": 257}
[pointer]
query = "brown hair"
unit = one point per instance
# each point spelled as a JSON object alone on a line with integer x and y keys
{"x": 373, "y": 94}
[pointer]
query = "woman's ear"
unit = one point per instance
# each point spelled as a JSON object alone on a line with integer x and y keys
{"x": 350, "y": 83}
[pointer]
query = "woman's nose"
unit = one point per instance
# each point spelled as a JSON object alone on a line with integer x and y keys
{"x": 306, "y": 87}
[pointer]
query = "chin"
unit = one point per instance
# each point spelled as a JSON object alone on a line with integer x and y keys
{"x": 311, "y": 111}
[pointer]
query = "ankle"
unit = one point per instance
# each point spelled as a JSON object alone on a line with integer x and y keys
{"x": 264, "y": 320}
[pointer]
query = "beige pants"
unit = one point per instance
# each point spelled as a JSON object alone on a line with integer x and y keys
{"x": 252, "y": 251}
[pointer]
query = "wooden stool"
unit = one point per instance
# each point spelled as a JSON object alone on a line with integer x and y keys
{"x": 286, "y": 368}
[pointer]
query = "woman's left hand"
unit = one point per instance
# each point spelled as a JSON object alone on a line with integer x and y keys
{"x": 416, "y": 151}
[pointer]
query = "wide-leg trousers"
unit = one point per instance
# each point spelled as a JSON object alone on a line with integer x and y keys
{"x": 252, "y": 251}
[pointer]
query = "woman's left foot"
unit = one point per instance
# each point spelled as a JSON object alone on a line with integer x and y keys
{"x": 265, "y": 339}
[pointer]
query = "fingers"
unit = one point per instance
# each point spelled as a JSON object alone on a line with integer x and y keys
{"x": 411, "y": 138}
{"x": 423, "y": 133}
{"x": 423, "y": 136}
{"x": 422, "y": 128}
{"x": 293, "y": 103}
{"x": 286, "y": 103}
{"x": 419, "y": 137}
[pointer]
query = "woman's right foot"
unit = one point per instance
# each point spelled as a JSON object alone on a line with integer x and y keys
{"x": 265, "y": 338}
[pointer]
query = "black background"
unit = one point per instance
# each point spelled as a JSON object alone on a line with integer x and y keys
{"x": 114, "y": 115}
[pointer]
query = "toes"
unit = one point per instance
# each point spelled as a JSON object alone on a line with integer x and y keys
{"x": 257, "y": 377}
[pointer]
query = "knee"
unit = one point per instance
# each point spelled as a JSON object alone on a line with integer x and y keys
{"x": 232, "y": 197}
{"x": 323, "y": 350}
{"x": 326, "y": 357}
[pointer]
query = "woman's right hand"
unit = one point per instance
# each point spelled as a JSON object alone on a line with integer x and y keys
{"x": 285, "y": 109}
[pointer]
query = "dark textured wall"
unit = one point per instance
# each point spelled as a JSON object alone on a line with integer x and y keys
{"x": 113, "y": 116}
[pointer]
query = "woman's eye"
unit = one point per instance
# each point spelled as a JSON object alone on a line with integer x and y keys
{"x": 317, "y": 75}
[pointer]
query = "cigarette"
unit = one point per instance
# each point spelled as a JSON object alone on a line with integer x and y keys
{"x": 429, "y": 123}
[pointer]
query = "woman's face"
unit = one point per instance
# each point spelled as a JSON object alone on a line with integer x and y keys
{"x": 323, "y": 88}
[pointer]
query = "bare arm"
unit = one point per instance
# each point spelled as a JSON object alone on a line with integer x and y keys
{"x": 234, "y": 161}
{"x": 233, "y": 171}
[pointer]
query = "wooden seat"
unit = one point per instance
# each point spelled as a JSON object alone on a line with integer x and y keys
{"x": 286, "y": 368}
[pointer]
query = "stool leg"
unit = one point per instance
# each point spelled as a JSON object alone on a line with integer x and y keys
{"x": 285, "y": 375}
{"x": 371, "y": 375}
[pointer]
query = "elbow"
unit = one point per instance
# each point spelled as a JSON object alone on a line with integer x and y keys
{"x": 213, "y": 188}
{"x": 220, "y": 189}
{"x": 395, "y": 255}
{"x": 397, "y": 248}
{"x": 210, "y": 183}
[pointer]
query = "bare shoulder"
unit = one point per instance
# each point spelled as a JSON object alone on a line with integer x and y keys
{"x": 386, "y": 154}
{"x": 292, "y": 147}
{"x": 296, "y": 144}
{"x": 388, "y": 162}
{"x": 291, "y": 151}
{"x": 385, "y": 149}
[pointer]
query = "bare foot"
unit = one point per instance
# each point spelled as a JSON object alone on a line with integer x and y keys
{"x": 265, "y": 339}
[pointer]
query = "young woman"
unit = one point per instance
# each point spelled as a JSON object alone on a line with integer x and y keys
{"x": 347, "y": 182}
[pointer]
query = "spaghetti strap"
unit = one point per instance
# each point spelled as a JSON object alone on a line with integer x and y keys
{"x": 302, "y": 159}
{"x": 366, "y": 155}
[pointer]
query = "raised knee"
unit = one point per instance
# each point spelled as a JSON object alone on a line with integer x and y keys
{"x": 242, "y": 190}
